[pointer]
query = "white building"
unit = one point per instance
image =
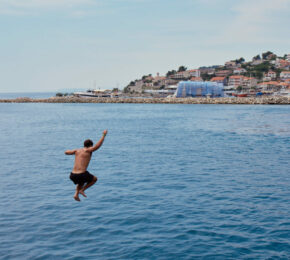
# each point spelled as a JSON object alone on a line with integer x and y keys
{"x": 231, "y": 63}
{"x": 186, "y": 74}
{"x": 236, "y": 81}
{"x": 285, "y": 75}
{"x": 193, "y": 73}
{"x": 249, "y": 82}
{"x": 239, "y": 71}
{"x": 178, "y": 75}
{"x": 269, "y": 76}
{"x": 257, "y": 62}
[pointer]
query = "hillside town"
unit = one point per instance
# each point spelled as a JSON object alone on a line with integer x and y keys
{"x": 265, "y": 74}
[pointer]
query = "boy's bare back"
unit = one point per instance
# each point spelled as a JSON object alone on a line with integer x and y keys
{"x": 83, "y": 155}
{"x": 82, "y": 160}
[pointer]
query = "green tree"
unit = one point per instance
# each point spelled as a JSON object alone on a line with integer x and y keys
{"x": 259, "y": 75}
{"x": 240, "y": 60}
{"x": 182, "y": 68}
{"x": 245, "y": 66}
{"x": 206, "y": 76}
{"x": 221, "y": 68}
{"x": 146, "y": 76}
{"x": 171, "y": 72}
{"x": 148, "y": 81}
{"x": 258, "y": 57}
{"x": 263, "y": 67}
{"x": 266, "y": 54}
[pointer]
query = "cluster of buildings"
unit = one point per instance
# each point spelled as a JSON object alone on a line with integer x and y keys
{"x": 269, "y": 75}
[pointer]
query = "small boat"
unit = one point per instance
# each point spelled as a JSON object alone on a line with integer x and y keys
{"x": 88, "y": 93}
{"x": 240, "y": 94}
{"x": 94, "y": 93}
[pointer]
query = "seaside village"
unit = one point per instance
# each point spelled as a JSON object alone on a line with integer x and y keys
{"x": 265, "y": 74}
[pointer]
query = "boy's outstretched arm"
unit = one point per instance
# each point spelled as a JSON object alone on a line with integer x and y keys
{"x": 98, "y": 144}
{"x": 70, "y": 152}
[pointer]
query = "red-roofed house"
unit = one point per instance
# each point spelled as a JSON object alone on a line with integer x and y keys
{"x": 196, "y": 79}
{"x": 270, "y": 86}
{"x": 223, "y": 73}
{"x": 285, "y": 75}
{"x": 236, "y": 81}
{"x": 193, "y": 73}
{"x": 270, "y": 75}
{"x": 284, "y": 84}
{"x": 209, "y": 71}
{"x": 219, "y": 80}
{"x": 282, "y": 64}
{"x": 249, "y": 82}
{"x": 159, "y": 80}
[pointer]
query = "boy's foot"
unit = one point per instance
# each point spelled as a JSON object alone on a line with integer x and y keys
{"x": 83, "y": 193}
{"x": 76, "y": 197}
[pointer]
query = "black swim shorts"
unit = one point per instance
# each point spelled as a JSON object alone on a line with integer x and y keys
{"x": 81, "y": 178}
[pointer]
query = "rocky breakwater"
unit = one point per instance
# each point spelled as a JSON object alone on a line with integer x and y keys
{"x": 267, "y": 100}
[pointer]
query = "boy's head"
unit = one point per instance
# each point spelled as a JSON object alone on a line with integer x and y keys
{"x": 88, "y": 143}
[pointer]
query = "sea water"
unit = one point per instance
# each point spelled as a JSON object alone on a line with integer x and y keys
{"x": 13, "y": 95}
{"x": 174, "y": 182}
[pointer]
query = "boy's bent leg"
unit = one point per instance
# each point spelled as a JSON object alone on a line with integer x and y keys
{"x": 78, "y": 189}
{"x": 81, "y": 191}
{"x": 88, "y": 185}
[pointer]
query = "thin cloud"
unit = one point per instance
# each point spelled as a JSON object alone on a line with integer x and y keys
{"x": 254, "y": 21}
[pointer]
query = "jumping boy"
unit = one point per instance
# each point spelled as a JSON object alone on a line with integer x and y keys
{"x": 79, "y": 175}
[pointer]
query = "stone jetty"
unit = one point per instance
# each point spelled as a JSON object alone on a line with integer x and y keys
{"x": 267, "y": 100}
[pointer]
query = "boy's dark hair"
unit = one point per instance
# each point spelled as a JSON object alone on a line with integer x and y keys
{"x": 88, "y": 143}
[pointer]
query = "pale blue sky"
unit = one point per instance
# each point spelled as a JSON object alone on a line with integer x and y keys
{"x": 48, "y": 45}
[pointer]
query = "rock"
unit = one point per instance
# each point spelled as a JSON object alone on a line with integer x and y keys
{"x": 274, "y": 100}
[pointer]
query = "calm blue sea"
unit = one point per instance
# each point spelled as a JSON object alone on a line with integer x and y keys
{"x": 13, "y": 95}
{"x": 174, "y": 182}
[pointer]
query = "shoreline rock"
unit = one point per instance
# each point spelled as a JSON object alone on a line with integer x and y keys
{"x": 270, "y": 100}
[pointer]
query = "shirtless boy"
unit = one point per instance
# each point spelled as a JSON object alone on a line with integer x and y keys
{"x": 79, "y": 175}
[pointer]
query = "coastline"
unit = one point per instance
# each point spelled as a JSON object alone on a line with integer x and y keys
{"x": 271, "y": 100}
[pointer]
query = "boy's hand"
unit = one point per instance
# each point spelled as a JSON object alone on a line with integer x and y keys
{"x": 105, "y": 132}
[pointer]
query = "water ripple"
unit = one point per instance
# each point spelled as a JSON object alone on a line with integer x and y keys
{"x": 175, "y": 182}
